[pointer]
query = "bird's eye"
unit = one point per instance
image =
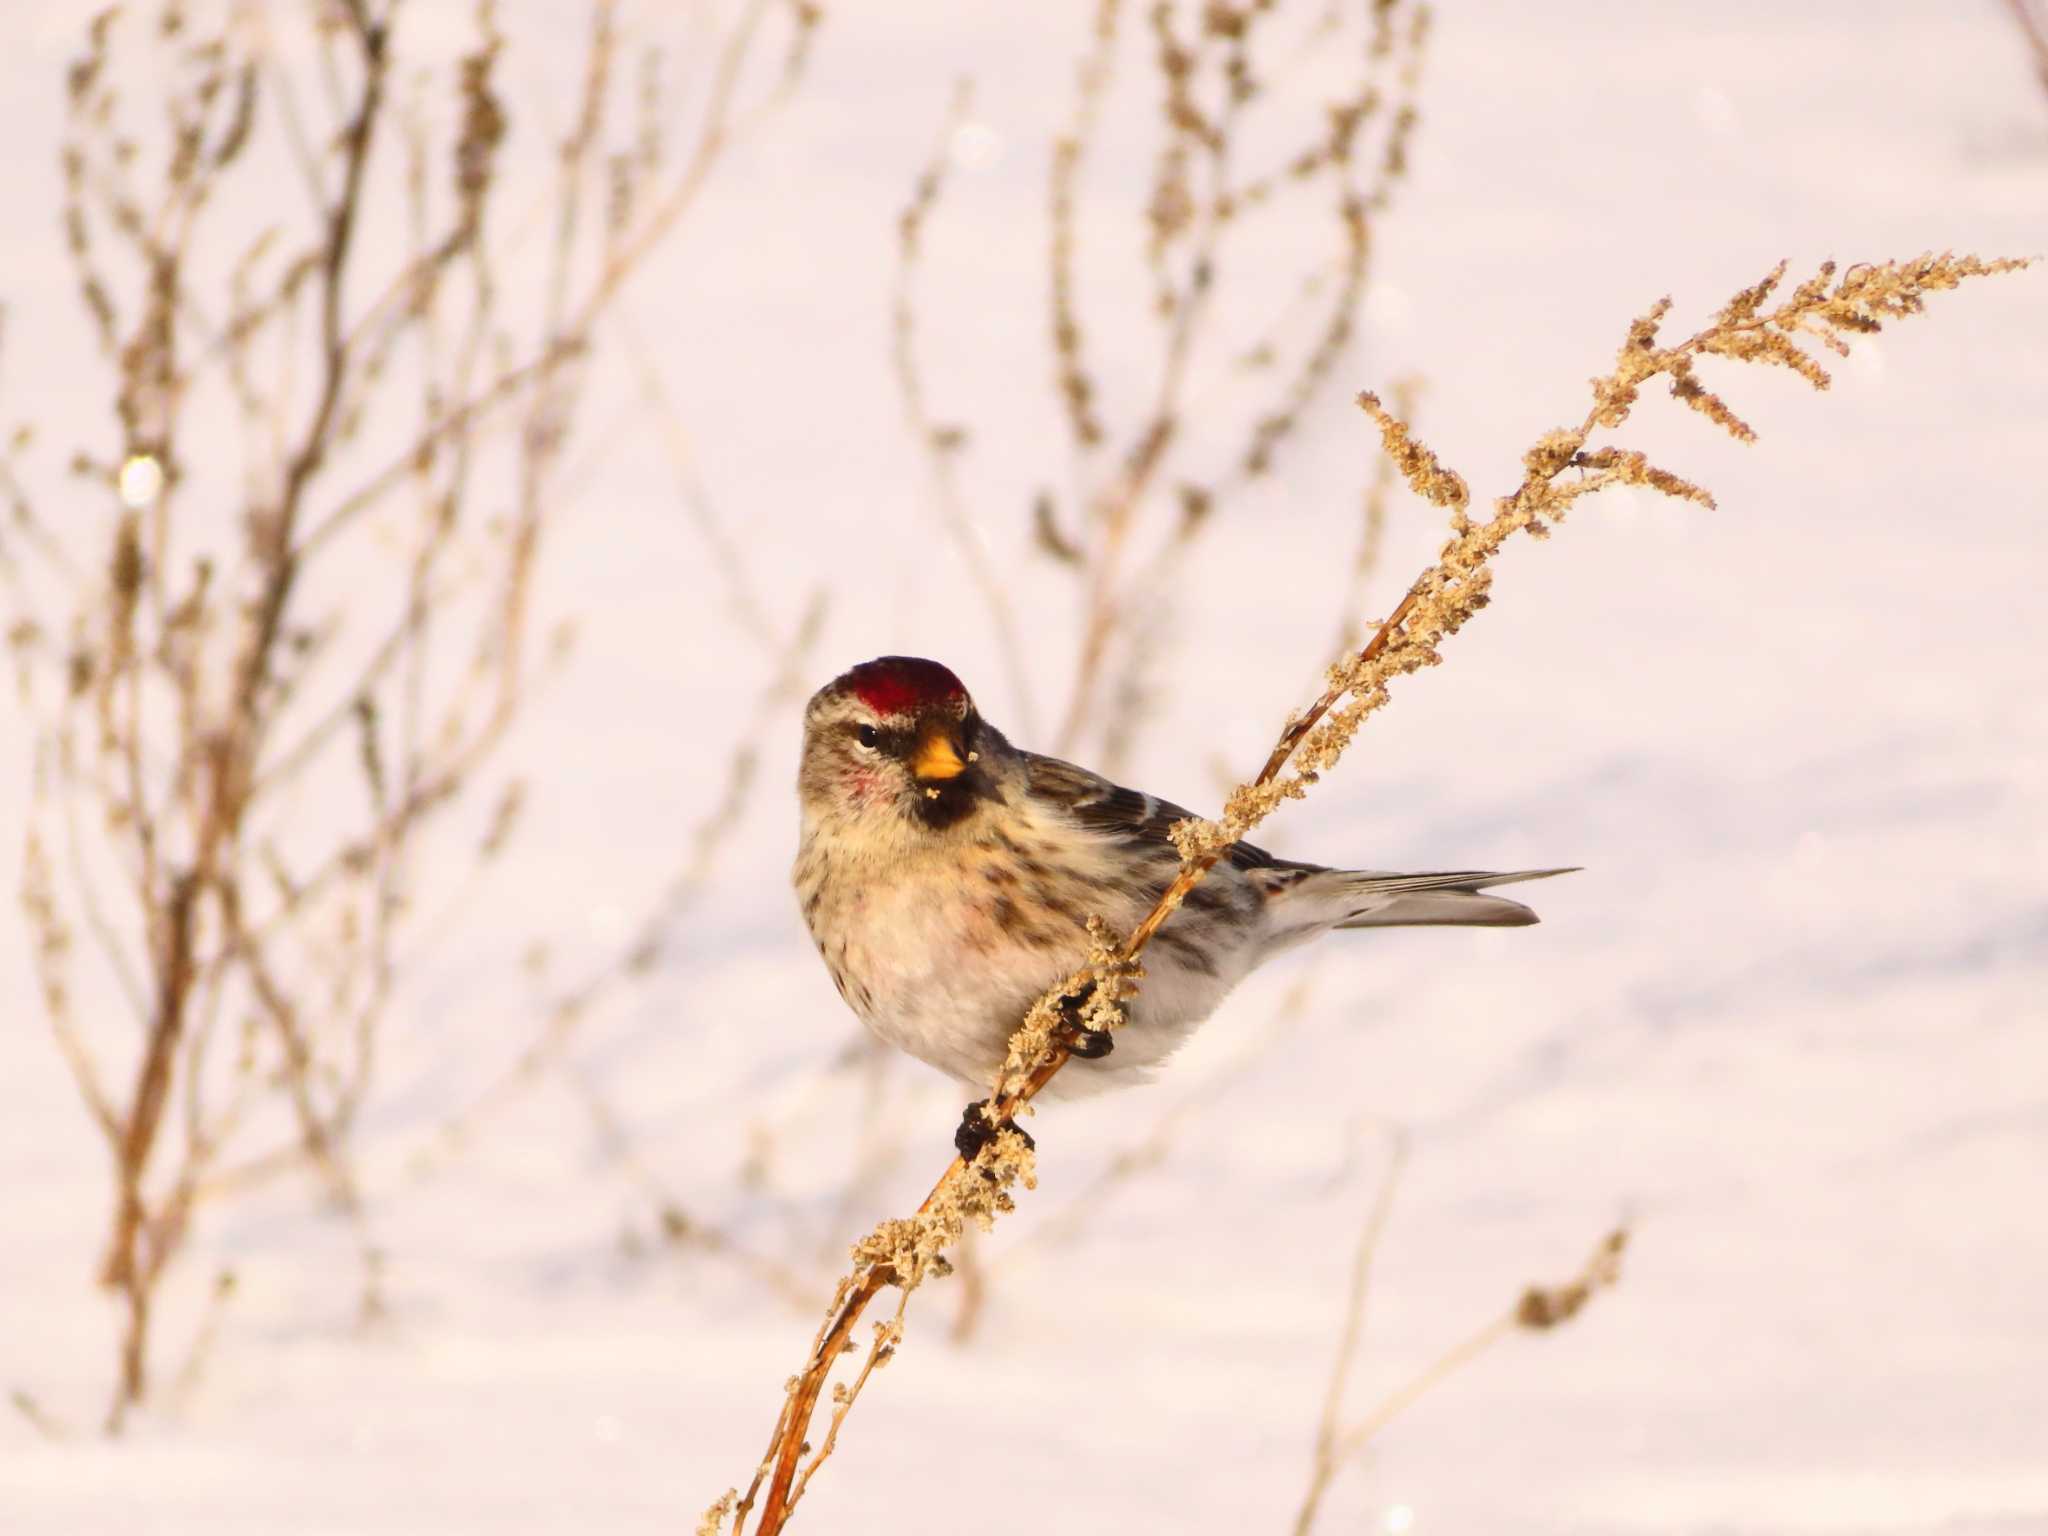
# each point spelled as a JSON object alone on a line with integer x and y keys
{"x": 868, "y": 737}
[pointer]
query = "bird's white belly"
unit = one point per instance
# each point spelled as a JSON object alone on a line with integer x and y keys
{"x": 943, "y": 976}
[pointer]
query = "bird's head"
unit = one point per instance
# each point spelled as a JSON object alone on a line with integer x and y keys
{"x": 895, "y": 745}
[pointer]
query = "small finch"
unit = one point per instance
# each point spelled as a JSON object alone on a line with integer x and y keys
{"x": 947, "y": 878}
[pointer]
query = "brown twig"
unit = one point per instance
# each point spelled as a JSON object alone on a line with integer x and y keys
{"x": 1328, "y": 1423}
{"x": 1199, "y": 201}
{"x": 1372, "y": 535}
{"x": 2033, "y": 23}
{"x": 942, "y": 445}
{"x": 567, "y": 1013}
{"x": 905, "y": 1257}
{"x": 1535, "y": 1309}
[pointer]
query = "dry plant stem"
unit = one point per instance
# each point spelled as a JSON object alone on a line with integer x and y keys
{"x": 1365, "y": 563}
{"x": 677, "y": 1227}
{"x": 722, "y": 125}
{"x": 1328, "y": 1424}
{"x": 1828, "y": 309}
{"x": 651, "y": 935}
{"x": 1537, "y": 1309}
{"x": 2033, "y": 23}
{"x": 1075, "y": 381}
{"x": 972, "y": 1269}
{"x": 1212, "y": 84}
{"x": 37, "y": 1416}
{"x": 189, "y": 696}
{"x": 740, "y": 591}
{"x": 943, "y": 444}
{"x": 875, "y": 1146}
{"x": 124, "y": 1268}
{"x": 197, "y": 1354}
{"x": 887, "y": 1336}
{"x": 1208, "y": 63}
{"x": 861, "y": 1289}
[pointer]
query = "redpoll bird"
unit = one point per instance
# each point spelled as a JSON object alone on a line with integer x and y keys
{"x": 947, "y": 877}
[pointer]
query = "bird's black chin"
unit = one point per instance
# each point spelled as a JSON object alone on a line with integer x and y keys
{"x": 949, "y": 802}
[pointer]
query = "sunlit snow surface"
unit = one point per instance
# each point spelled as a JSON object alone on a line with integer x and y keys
{"x": 1789, "y": 1021}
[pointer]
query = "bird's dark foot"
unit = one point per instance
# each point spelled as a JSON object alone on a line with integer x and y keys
{"x": 977, "y": 1130}
{"x": 1088, "y": 1044}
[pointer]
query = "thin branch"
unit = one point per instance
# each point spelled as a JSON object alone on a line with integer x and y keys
{"x": 942, "y": 444}
{"x": 2033, "y": 23}
{"x": 1326, "y": 1457}
{"x": 1828, "y": 308}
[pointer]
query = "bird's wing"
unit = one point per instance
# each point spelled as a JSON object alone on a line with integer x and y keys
{"x": 1143, "y": 821}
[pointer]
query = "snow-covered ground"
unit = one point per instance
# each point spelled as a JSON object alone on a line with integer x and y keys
{"x": 1789, "y": 1022}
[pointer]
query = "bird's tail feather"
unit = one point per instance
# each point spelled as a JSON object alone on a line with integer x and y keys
{"x": 1457, "y": 898}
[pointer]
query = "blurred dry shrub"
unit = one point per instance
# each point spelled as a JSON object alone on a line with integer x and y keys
{"x": 1537, "y": 1309}
{"x": 271, "y": 635}
{"x": 2031, "y": 16}
{"x": 1256, "y": 112}
{"x": 1255, "y": 115}
{"x": 1760, "y": 325}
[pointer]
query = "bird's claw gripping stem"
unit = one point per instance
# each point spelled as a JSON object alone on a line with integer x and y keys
{"x": 1088, "y": 1044}
{"x": 977, "y": 1130}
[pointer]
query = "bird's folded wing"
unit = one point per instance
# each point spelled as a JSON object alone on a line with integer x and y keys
{"x": 1140, "y": 820}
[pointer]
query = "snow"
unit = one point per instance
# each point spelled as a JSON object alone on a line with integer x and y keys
{"x": 1789, "y": 1022}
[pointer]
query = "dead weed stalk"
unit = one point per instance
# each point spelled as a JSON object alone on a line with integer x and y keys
{"x": 1262, "y": 107}
{"x": 273, "y": 641}
{"x": 1537, "y": 1308}
{"x": 1827, "y": 311}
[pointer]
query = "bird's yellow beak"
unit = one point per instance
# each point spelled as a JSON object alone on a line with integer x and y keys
{"x": 937, "y": 757}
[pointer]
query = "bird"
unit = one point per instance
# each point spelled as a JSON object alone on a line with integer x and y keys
{"x": 947, "y": 879}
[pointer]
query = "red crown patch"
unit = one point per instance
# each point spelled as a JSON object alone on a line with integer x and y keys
{"x": 902, "y": 685}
